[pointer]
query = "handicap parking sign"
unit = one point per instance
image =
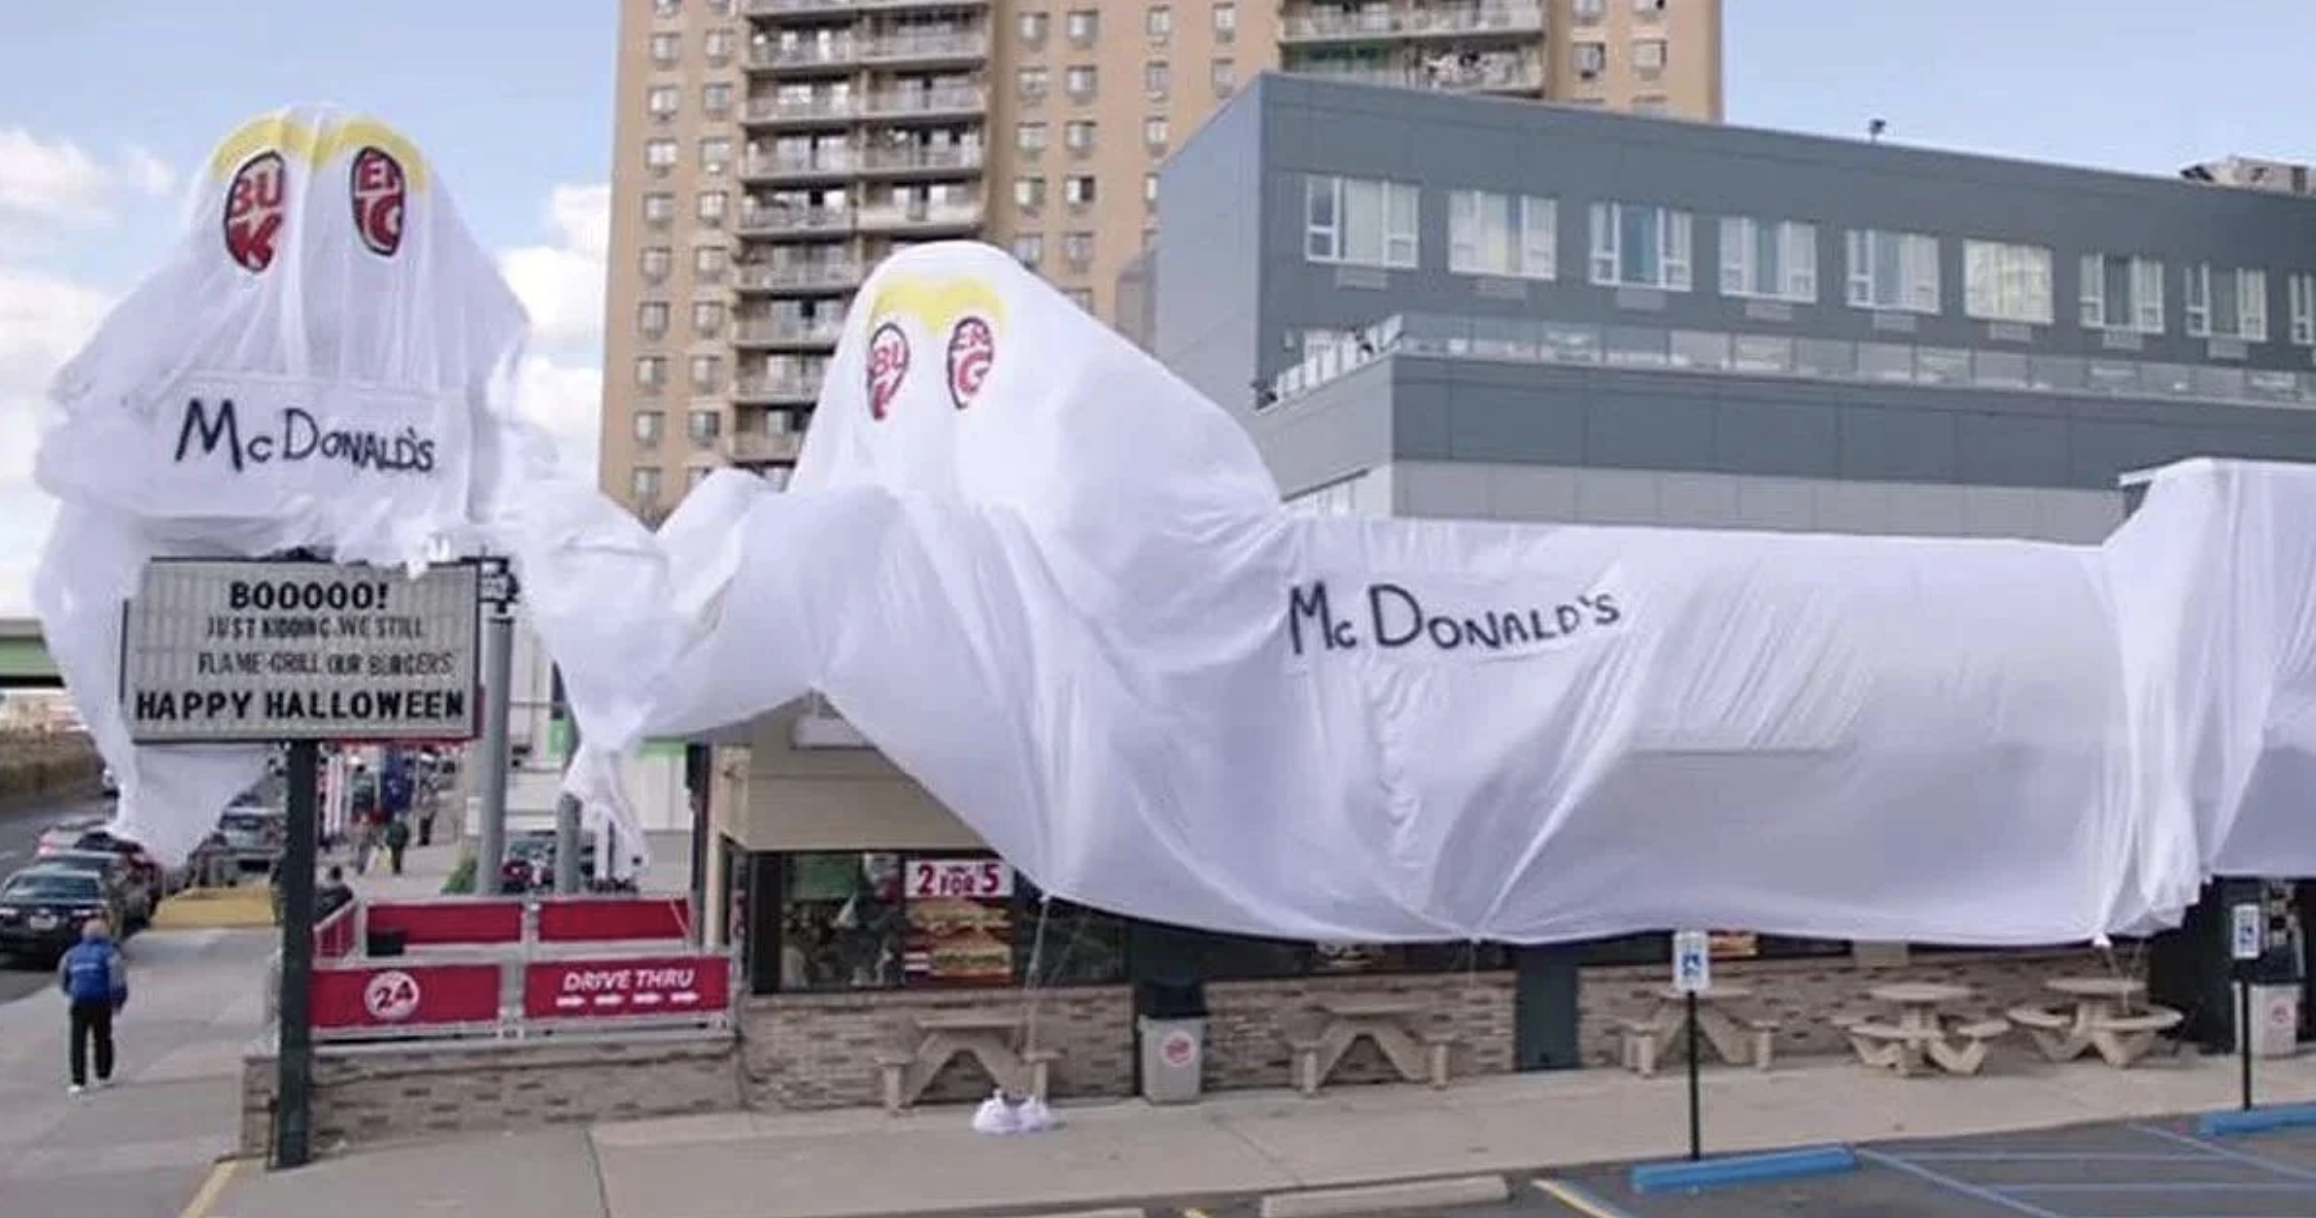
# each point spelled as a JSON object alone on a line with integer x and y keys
{"x": 1692, "y": 962}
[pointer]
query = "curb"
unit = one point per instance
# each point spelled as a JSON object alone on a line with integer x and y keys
{"x": 2256, "y": 1120}
{"x": 1388, "y": 1198}
{"x": 1683, "y": 1174}
{"x": 1582, "y": 1200}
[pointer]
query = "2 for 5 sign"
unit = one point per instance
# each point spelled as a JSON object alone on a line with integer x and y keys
{"x": 977, "y": 879}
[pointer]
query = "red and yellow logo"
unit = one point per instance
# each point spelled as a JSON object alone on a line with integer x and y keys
{"x": 256, "y": 207}
{"x": 253, "y": 166}
{"x": 965, "y": 312}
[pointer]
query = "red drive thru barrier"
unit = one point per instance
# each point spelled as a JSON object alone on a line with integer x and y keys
{"x": 448, "y": 923}
{"x": 334, "y": 937}
{"x": 408, "y": 996}
{"x": 615, "y": 919}
{"x": 627, "y": 987}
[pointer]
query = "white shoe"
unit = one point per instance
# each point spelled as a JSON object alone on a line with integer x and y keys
{"x": 103, "y": 1084}
{"x": 75, "y": 1089}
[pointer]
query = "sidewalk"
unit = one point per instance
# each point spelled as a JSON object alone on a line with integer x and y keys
{"x": 843, "y": 1164}
{"x": 144, "y": 1145}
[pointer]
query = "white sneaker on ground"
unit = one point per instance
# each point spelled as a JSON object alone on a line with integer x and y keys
{"x": 75, "y": 1089}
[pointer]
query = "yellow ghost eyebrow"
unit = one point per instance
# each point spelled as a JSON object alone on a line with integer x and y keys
{"x": 291, "y": 138}
{"x": 936, "y": 302}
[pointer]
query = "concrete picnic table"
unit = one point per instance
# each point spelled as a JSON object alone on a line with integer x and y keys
{"x": 1736, "y": 1039}
{"x": 1921, "y": 1036}
{"x": 927, "y": 1043}
{"x": 2106, "y": 1015}
{"x": 1407, "y": 1033}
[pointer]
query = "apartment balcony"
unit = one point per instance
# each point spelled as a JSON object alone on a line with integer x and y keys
{"x": 822, "y": 165}
{"x": 786, "y": 389}
{"x": 920, "y": 218}
{"x": 786, "y": 332}
{"x": 763, "y": 447}
{"x": 1320, "y": 24}
{"x": 818, "y": 110}
{"x": 1446, "y": 71}
{"x": 949, "y": 160}
{"x": 924, "y": 48}
{"x": 840, "y": 52}
{"x": 944, "y": 102}
{"x": 824, "y": 8}
{"x": 833, "y": 275}
{"x": 794, "y": 221}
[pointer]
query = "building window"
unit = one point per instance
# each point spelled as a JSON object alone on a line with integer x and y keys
{"x": 716, "y": 100}
{"x": 2002, "y": 282}
{"x": 2122, "y": 293}
{"x": 665, "y": 8}
{"x": 1032, "y": 28}
{"x": 707, "y": 318}
{"x": 1652, "y": 103}
{"x": 650, "y": 373}
{"x": 657, "y": 260}
{"x": 1081, "y": 297}
{"x": 1768, "y": 259}
{"x": 1897, "y": 271}
{"x": 708, "y": 263}
{"x": 1078, "y": 135}
{"x": 1510, "y": 235}
{"x": 707, "y": 373}
{"x": 1085, "y": 25}
{"x": 706, "y": 425}
{"x": 1640, "y": 245}
{"x": 1154, "y": 133}
{"x": 1589, "y": 12}
{"x": 1029, "y": 138}
{"x": 1361, "y": 221}
{"x": 666, "y": 50}
{"x": 1029, "y": 249}
{"x": 1078, "y": 190}
{"x": 658, "y": 209}
{"x": 710, "y": 207}
{"x": 664, "y": 101}
{"x": 1648, "y": 10}
{"x": 1031, "y": 83}
{"x": 1158, "y": 23}
{"x": 643, "y": 481}
{"x": 2302, "y": 290}
{"x": 651, "y": 319}
{"x": 1082, "y": 82}
{"x": 659, "y": 155}
{"x": 647, "y": 426}
{"x": 1223, "y": 74}
{"x": 1157, "y": 79}
{"x": 1225, "y": 23}
{"x": 718, "y": 45}
{"x": 1078, "y": 250}
{"x": 1150, "y": 191}
{"x": 1029, "y": 193}
{"x": 1648, "y": 57}
{"x": 1591, "y": 59}
{"x": 2227, "y": 304}
{"x": 716, "y": 155}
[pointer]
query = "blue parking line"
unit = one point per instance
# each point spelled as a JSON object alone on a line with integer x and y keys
{"x": 1964, "y": 1187}
{"x": 2042, "y": 1156}
{"x": 2154, "y": 1186}
{"x": 2285, "y": 1170}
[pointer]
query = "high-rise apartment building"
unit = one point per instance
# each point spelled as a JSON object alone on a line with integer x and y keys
{"x": 770, "y": 152}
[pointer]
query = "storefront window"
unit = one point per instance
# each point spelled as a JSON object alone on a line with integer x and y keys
{"x": 1078, "y": 946}
{"x": 960, "y": 921}
{"x": 841, "y": 921}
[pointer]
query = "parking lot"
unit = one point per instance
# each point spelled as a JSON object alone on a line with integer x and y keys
{"x": 2147, "y": 1169}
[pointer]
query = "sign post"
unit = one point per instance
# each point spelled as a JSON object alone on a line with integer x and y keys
{"x": 298, "y": 651}
{"x": 2247, "y": 941}
{"x": 1693, "y": 975}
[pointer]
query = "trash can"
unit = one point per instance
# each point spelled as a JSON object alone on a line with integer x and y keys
{"x": 2275, "y": 1018}
{"x": 1173, "y": 1059}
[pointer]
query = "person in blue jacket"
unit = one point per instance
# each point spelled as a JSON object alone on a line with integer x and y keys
{"x": 95, "y": 981}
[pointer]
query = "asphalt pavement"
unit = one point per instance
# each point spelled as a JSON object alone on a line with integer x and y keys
{"x": 20, "y": 828}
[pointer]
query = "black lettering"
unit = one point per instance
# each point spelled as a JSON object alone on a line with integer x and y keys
{"x": 1413, "y": 608}
{"x": 1302, "y": 604}
{"x": 1542, "y": 632}
{"x": 1485, "y": 631}
{"x": 1604, "y": 608}
{"x": 300, "y": 434}
{"x": 1515, "y": 631}
{"x": 1568, "y": 617}
{"x": 224, "y": 428}
{"x": 1450, "y": 639}
{"x": 261, "y": 449}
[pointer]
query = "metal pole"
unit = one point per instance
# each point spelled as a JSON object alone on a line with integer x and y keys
{"x": 567, "y": 808}
{"x": 1696, "y": 1117}
{"x": 699, "y": 779}
{"x": 294, "y": 1058}
{"x": 2244, "y": 1034}
{"x": 499, "y": 674}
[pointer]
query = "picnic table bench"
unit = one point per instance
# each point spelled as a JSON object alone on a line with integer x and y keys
{"x": 925, "y": 1045}
{"x": 1922, "y": 1036}
{"x": 1734, "y": 1038}
{"x": 1320, "y": 1036}
{"x": 2103, "y": 1017}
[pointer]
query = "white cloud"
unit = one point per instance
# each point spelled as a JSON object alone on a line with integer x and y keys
{"x": 60, "y": 182}
{"x": 561, "y": 285}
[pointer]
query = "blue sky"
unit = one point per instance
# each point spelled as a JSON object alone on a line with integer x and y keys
{"x": 105, "y": 107}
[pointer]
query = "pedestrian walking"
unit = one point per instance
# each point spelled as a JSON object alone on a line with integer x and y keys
{"x": 95, "y": 981}
{"x": 397, "y": 841}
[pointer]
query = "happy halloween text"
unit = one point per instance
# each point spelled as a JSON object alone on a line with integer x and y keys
{"x": 296, "y": 435}
{"x": 1396, "y": 618}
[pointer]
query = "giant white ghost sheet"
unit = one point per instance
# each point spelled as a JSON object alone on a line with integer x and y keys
{"x": 1058, "y": 588}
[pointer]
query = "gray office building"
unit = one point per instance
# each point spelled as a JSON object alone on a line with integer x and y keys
{"x": 1431, "y": 305}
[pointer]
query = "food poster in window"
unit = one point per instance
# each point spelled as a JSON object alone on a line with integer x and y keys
{"x": 960, "y": 922}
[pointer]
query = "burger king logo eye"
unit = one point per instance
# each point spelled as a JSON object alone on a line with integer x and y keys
{"x": 972, "y": 349}
{"x": 888, "y": 365}
{"x": 256, "y": 207}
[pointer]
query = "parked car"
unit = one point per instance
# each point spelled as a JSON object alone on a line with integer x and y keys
{"x": 42, "y": 909}
{"x": 530, "y": 862}
{"x": 136, "y": 897}
{"x": 67, "y": 833}
{"x": 144, "y": 867}
{"x": 253, "y": 835}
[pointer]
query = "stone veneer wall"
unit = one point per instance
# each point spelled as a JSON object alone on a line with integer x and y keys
{"x": 1244, "y": 1047}
{"x": 383, "y": 1093}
